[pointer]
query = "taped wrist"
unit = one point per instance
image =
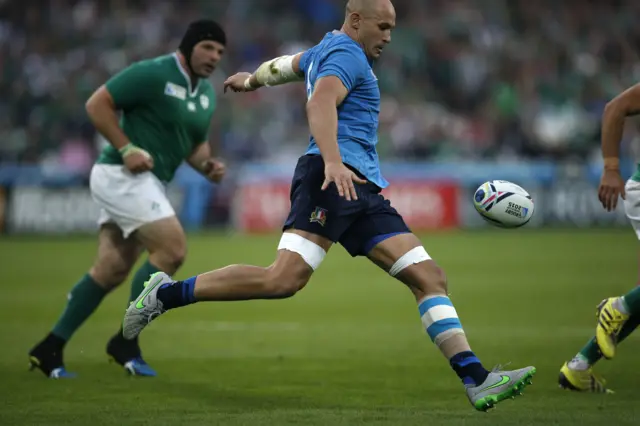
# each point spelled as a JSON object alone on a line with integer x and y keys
{"x": 129, "y": 149}
{"x": 276, "y": 71}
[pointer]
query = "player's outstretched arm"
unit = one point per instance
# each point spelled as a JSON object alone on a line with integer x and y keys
{"x": 274, "y": 72}
{"x": 202, "y": 160}
{"x": 625, "y": 104}
{"x": 322, "y": 113}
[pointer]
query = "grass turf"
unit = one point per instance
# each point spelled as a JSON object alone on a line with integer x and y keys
{"x": 348, "y": 350}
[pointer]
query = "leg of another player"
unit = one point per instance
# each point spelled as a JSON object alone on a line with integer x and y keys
{"x": 299, "y": 254}
{"x": 166, "y": 243}
{"x": 115, "y": 258}
{"x": 403, "y": 257}
{"x": 613, "y": 315}
{"x": 578, "y": 375}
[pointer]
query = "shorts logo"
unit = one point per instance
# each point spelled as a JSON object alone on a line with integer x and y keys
{"x": 319, "y": 215}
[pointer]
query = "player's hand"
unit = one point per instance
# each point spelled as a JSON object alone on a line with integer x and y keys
{"x": 214, "y": 169}
{"x": 343, "y": 178}
{"x": 236, "y": 82}
{"x": 611, "y": 186}
{"x": 138, "y": 161}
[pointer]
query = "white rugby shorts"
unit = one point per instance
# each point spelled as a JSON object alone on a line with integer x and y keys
{"x": 632, "y": 204}
{"x": 128, "y": 200}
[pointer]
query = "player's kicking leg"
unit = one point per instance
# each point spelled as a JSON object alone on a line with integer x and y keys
{"x": 299, "y": 254}
{"x": 404, "y": 258}
{"x": 114, "y": 260}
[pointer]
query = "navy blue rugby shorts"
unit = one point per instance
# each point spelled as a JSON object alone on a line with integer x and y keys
{"x": 358, "y": 225}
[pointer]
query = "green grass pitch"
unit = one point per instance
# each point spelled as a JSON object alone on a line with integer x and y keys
{"x": 348, "y": 350}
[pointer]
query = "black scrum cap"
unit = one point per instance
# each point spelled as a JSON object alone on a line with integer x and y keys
{"x": 204, "y": 29}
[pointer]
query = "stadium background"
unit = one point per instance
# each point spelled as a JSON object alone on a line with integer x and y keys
{"x": 472, "y": 90}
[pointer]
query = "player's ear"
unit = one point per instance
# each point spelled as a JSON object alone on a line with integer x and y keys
{"x": 355, "y": 20}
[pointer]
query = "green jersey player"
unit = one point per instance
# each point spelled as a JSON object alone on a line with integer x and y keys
{"x": 166, "y": 105}
{"x": 619, "y": 316}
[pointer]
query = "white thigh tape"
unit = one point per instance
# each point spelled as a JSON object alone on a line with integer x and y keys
{"x": 413, "y": 256}
{"x": 312, "y": 253}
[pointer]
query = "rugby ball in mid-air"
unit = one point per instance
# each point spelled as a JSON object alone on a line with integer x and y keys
{"x": 503, "y": 203}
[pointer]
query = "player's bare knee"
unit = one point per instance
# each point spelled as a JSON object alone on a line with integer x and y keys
{"x": 425, "y": 278}
{"x": 170, "y": 258}
{"x": 297, "y": 258}
{"x": 166, "y": 243}
{"x": 420, "y": 273}
{"x": 428, "y": 278}
{"x": 110, "y": 271}
{"x": 282, "y": 283}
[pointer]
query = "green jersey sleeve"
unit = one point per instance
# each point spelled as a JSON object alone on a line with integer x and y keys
{"x": 133, "y": 85}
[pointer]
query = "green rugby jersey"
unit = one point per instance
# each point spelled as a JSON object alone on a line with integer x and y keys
{"x": 161, "y": 112}
{"x": 636, "y": 175}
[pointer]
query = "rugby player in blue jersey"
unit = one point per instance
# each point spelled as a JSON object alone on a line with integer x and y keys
{"x": 335, "y": 197}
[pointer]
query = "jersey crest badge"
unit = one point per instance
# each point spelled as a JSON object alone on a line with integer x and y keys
{"x": 175, "y": 91}
{"x": 204, "y": 101}
{"x": 319, "y": 215}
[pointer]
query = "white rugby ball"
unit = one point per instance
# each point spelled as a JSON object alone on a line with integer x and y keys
{"x": 503, "y": 203}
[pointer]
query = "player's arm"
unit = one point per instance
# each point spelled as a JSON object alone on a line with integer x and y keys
{"x": 281, "y": 70}
{"x": 202, "y": 160}
{"x": 625, "y": 104}
{"x": 274, "y": 72}
{"x": 123, "y": 91}
{"x": 322, "y": 114}
{"x": 103, "y": 114}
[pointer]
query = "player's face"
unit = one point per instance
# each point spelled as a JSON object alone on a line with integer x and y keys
{"x": 205, "y": 57}
{"x": 375, "y": 29}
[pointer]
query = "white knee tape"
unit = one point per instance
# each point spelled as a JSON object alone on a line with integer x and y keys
{"x": 413, "y": 256}
{"x": 312, "y": 253}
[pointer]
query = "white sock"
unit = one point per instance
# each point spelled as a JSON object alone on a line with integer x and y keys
{"x": 621, "y": 305}
{"x": 579, "y": 362}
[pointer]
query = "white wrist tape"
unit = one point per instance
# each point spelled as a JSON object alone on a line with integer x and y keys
{"x": 277, "y": 71}
{"x": 130, "y": 149}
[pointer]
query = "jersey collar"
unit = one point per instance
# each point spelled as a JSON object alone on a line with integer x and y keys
{"x": 185, "y": 74}
{"x": 342, "y": 33}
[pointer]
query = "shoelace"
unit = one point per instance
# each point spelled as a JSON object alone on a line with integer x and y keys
{"x": 500, "y": 367}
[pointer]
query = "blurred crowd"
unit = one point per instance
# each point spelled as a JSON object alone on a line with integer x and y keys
{"x": 462, "y": 79}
